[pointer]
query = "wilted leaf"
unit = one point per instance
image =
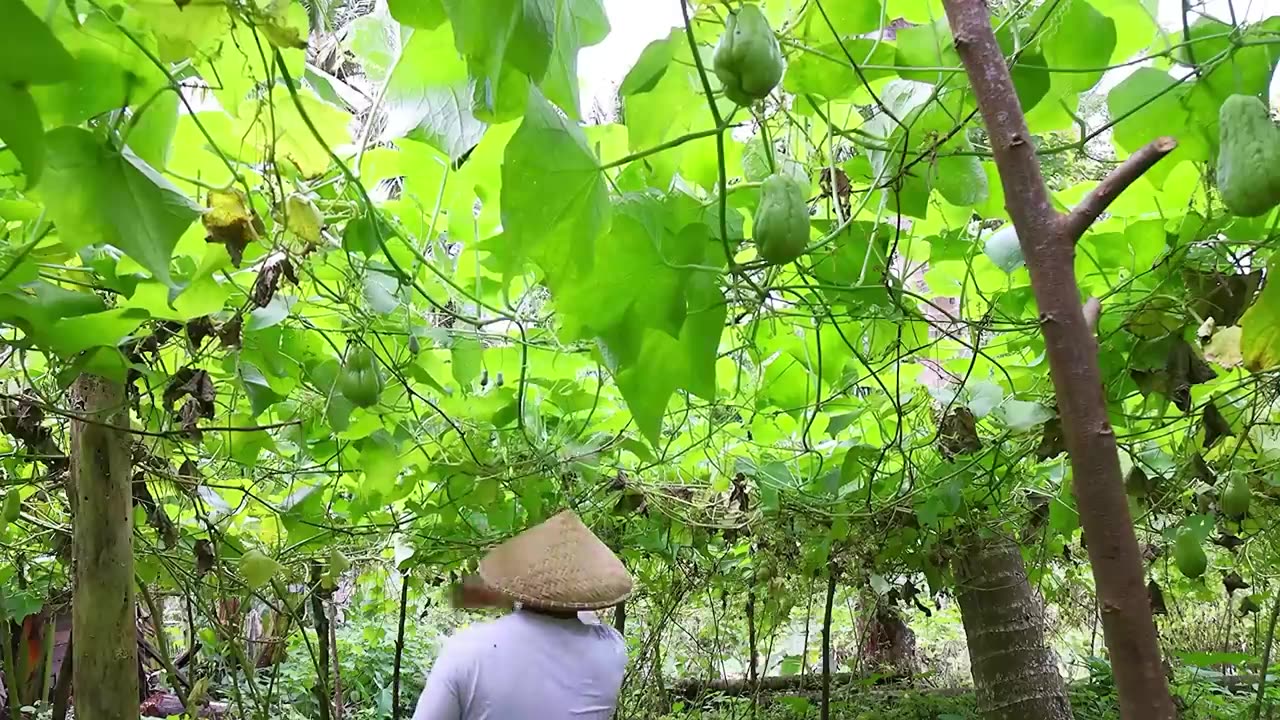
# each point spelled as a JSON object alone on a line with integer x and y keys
{"x": 230, "y": 222}
{"x": 1224, "y": 348}
{"x": 303, "y": 218}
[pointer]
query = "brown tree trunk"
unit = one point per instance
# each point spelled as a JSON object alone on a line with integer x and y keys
{"x": 103, "y": 617}
{"x": 1015, "y": 676}
{"x": 1048, "y": 242}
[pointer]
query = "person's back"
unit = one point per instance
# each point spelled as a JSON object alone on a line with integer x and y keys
{"x": 526, "y": 665}
{"x": 542, "y": 662}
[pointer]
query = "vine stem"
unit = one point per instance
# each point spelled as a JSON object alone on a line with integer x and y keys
{"x": 395, "y": 670}
{"x": 1266, "y": 660}
{"x": 826, "y": 644}
{"x": 1048, "y": 242}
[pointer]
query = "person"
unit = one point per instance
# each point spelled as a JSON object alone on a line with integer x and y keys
{"x": 550, "y": 658}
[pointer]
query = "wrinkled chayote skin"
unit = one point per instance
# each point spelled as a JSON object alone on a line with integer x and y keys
{"x": 781, "y": 225}
{"x": 748, "y": 60}
{"x": 1248, "y": 156}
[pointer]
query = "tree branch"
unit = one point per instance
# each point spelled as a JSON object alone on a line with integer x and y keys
{"x": 1072, "y": 350}
{"x": 1078, "y": 220}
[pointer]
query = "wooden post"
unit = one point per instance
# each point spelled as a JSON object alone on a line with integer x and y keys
{"x": 103, "y": 617}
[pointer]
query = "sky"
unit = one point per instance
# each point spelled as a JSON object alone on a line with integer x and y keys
{"x": 636, "y": 23}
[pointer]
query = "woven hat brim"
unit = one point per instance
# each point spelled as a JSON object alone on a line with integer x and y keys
{"x": 557, "y": 565}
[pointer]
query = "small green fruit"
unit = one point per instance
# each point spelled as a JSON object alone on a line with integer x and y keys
{"x": 1188, "y": 556}
{"x": 1235, "y": 500}
{"x": 12, "y": 506}
{"x": 361, "y": 380}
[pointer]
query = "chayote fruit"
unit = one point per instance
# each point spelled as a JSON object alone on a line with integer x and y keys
{"x": 1188, "y": 556}
{"x": 1248, "y": 156}
{"x": 781, "y": 225}
{"x": 1235, "y": 500}
{"x": 361, "y": 380}
{"x": 748, "y": 60}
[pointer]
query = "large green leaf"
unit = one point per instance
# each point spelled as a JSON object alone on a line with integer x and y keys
{"x": 579, "y": 23}
{"x": 504, "y": 41}
{"x": 1260, "y": 328}
{"x": 1079, "y": 42}
{"x": 21, "y": 131}
{"x": 108, "y": 71}
{"x": 151, "y": 133}
{"x": 30, "y": 54}
{"x": 554, "y": 201}
{"x": 95, "y": 194}
{"x": 825, "y": 71}
{"x": 422, "y": 14}
{"x": 428, "y": 91}
{"x": 1149, "y": 104}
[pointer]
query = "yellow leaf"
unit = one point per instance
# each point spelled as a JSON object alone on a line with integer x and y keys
{"x": 1224, "y": 348}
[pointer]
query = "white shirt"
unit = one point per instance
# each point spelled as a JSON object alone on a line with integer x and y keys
{"x": 526, "y": 666}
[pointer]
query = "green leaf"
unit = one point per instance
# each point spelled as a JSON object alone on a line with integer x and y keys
{"x": 183, "y": 30}
{"x": 501, "y": 40}
{"x": 1080, "y": 38}
{"x": 273, "y": 314}
{"x": 825, "y": 71}
{"x": 97, "y": 195}
{"x": 30, "y": 54}
{"x": 648, "y": 386}
{"x": 108, "y": 71}
{"x": 1260, "y": 328}
{"x": 21, "y": 130}
{"x": 649, "y": 67}
{"x": 1148, "y": 104}
{"x": 1022, "y": 416}
{"x": 926, "y": 46}
{"x": 700, "y": 334}
{"x": 579, "y": 23}
{"x": 850, "y": 17}
{"x": 72, "y": 335}
{"x": 233, "y": 68}
{"x": 258, "y": 388}
{"x": 429, "y": 94}
{"x": 258, "y": 569}
{"x": 554, "y": 202}
{"x": 151, "y": 133}
{"x": 467, "y": 360}
{"x": 422, "y": 14}
{"x": 671, "y": 105}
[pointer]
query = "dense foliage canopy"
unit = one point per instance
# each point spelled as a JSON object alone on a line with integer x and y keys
{"x": 382, "y": 289}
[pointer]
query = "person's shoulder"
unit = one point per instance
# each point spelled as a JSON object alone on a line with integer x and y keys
{"x": 604, "y": 632}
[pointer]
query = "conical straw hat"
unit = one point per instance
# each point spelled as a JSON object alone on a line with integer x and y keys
{"x": 557, "y": 565}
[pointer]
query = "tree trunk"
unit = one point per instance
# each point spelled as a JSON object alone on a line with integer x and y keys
{"x": 1048, "y": 239}
{"x": 1015, "y": 676}
{"x": 103, "y": 617}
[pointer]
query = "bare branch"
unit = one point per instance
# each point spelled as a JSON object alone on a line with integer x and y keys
{"x": 1078, "y": 221}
